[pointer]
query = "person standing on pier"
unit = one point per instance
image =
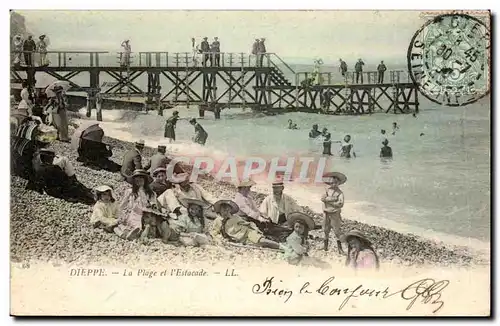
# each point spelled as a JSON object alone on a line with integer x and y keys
{"x": 42, "y": 49}
{"x": 200, "y": 136}
{"x": 255, "y": 51}
{"x": 127, "y": 49}
{"x": 358, "y": 68}
{"x": 29, "y": 46}
{"x": 343, "y": 67}
{"x": 215, "y": 49}
{"x": 205, "y": 49}
{"x": 18, "y": 49}
{"x": 170, "y": 126}
{"x": 333, "y": 201}
{"x": 381, "y": 71}
{"x": 261, "y": 51}
{"x": 196, "y": 51}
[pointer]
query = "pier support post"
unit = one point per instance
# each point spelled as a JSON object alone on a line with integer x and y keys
{"x": 91, "y": 95}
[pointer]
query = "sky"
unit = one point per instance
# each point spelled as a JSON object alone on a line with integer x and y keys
{"x": 298, "y": 36}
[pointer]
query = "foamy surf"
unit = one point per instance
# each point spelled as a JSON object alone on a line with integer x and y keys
{"x": 120, "y": 124}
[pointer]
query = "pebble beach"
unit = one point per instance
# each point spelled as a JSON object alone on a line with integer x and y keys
{"x": 44, "y": 228}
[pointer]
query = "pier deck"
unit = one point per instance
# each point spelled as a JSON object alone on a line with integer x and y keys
{"x": 168, "y": 79}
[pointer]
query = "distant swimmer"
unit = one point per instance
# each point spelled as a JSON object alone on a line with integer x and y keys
{"x": 422, "y": 134}
{"x": 386, "y": 151}
{"x": 414, "y": 115}
{"x": 201, "y": 135}
{"x": 292, "y": 125}
{"x": 170, "y": 126}
{"x": 347, "y": 148}
{"x": 327, "y": 145}
{"x": 324, "y": 132}
{"x": 395, "y": 128}
{"x": 314, "y": 133}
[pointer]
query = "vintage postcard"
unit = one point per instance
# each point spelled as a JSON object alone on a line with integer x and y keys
{"x": 250, "y": 163}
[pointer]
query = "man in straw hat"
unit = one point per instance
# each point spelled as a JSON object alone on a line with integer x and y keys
{"x": 333, "y": 201}
{"x": 360, "y": 252}
{"x": 247, "y": 207}
{"x": 132, "y": 160}
{"x": 234, "y": 228}
{"x": 42, "y": 49}
{"x": 278, "y": 205}
{"x": 158, "y": 160}
{"x": 184, "y": 188}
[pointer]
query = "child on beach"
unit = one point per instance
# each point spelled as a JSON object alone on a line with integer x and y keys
{"x": 333, "y": 201}
{"x": 190, "y": 227}
{"x": 360, "y": 252}
{"x": 105, "y": 212}
{"x": 296, "y": 247}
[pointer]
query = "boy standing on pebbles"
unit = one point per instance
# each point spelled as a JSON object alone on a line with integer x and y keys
{"x": 333, "y": 201}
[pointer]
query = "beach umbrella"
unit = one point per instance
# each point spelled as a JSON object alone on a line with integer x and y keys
{"x": 94, "y": 133}
{"x": 62, "y": 83}
{"x": 77, "y": 135}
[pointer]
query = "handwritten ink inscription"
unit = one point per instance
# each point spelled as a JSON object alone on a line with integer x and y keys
{"x": 426, "y": 291}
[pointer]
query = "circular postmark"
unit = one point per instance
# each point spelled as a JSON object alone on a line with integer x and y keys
{"x": 448, "y": 58}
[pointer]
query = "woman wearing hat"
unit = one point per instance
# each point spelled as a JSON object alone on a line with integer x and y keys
{"x": 127, "y": 49}
{"x": 200, "y": 135}
{"x": 234, "y": 228}
{"x": 105, "y": 212}
{"x": 248, "y": 208}
{"x": 333, "y": 201}
{"x": 42, "y": 49}
{"x": 296, "y": 247}
{"x": 134, "y": 202}
{"x": 59, "y": 114}
{"x": 360, "y": 252}
{"x": 170, "y": 126}
{"x": 190, "y": 227}
{"x": 18, "y": 49}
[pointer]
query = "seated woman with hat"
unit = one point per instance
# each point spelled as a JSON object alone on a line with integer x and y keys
{"x": 296, "y": 247}
{"x": 360, "y": 252}
{"x": 235, "y": 229}
{"x": 135, "y": 201}
{"x": 105, "y": 212}
{"x": 190, "y": 227}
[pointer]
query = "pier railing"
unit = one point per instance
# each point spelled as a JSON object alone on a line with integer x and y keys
{"x": 365, "y": 77}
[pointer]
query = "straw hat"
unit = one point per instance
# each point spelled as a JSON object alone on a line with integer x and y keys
{"x": 356, "y": 234}
{"x": 158, "y": 170}
{"x": 142, "y": 173}
{"x": 140, "y": 143}
{"x": 299, "y": 216}
{"x": 42, "y": 36}
{"x": 162, "y": 147}
{"x": 234, "y": 207}
{"x": 180, "y": 178}
{"x": 247, "y": 183}
{"x": 327, "y": 177}
{"x": 186, "y": 202}
{"x": 103, "y": 188}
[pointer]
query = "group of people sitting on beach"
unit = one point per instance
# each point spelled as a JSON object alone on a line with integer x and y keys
{"x": 177, "y": 211}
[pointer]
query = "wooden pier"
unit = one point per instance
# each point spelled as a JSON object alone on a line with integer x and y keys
{"x": 240, "y": 80}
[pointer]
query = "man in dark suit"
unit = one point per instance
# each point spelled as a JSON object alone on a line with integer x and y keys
{"x": 132, "y": 160}
{"x": 205, "y": 49}
{"x": 158, "y": 160}
{"x": 29, "y": 47}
